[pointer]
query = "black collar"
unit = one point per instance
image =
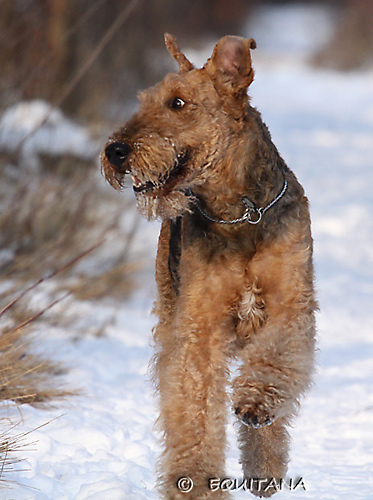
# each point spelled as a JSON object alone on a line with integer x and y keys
{"x": 250, "y": 209}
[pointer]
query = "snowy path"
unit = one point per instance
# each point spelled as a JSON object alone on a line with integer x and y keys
{"x": 103, "y": 447}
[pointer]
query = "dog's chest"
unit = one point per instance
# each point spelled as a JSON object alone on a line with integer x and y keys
{"x": 214, "y": 280}
{"x": 191, "y": 240}
{"x": 196, "y": 250}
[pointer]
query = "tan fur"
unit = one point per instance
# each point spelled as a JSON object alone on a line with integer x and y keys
{"x": 241, "y": 291}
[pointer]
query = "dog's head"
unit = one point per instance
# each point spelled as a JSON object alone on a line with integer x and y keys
{"x": 179, "y": 137}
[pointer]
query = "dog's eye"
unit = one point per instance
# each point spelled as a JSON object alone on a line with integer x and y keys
{"x": 176, "y": 103}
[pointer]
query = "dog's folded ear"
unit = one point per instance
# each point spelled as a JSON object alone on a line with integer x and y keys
{"x": 230, "y": 64}
{"x": 173, "y": 49}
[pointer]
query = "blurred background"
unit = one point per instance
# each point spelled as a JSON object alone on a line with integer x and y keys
{"x": 90, "y": 57}
{"x": 69, "y": 75}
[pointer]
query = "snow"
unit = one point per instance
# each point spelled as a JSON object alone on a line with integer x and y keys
{"x": 101, "y": 444}
{"x": 31, "y": 128}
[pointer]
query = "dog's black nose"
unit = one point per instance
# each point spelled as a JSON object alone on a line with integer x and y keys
{"x": 117, "y": 153}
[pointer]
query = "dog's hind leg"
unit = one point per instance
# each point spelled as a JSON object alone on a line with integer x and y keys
{"x": 264, "y": 455}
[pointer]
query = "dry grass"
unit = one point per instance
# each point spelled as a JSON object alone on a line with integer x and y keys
{"x": 58, "y": 221}
{"x": 11, "y": 445}
{"x": 43, "y": 218}
{"x": 51, "y": 215}
{"x": 50, "y": 223}
{"x": 25, "y": 378}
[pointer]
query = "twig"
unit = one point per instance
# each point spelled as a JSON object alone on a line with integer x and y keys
{"x": 107, "y": 37}
{"x": 37, "y": 316}
{"x": 83, "y": 19}
{"x": 50, "y": 276}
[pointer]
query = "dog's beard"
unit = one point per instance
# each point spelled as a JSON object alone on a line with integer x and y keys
{"x": 159, "y": 181}
{"x": 160, "y": 194}
{"x": 168, "y": 206}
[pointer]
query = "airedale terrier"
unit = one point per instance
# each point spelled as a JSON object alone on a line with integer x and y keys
{"x": 234, "y": 270}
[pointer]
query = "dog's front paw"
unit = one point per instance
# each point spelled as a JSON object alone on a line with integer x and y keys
{"x": 255, "y": 418}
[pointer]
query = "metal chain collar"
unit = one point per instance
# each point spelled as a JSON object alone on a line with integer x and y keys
{"x": 250, "y": 210}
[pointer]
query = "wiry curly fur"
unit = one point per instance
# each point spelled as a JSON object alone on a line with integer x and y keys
{"x": 224, "y": 291}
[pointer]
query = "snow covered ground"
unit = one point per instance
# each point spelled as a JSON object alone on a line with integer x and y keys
{"x": 101, "y": 445}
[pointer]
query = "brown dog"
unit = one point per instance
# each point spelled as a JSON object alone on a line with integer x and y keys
{"x": 234, "y": 269}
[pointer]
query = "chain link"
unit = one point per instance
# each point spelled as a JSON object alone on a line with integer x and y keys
{"x": 250, "y": 210}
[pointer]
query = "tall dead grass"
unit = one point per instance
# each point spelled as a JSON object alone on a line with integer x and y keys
{"x": 52, "y": 220}
{"x": 50, "y": 215}
{"x": 25, "y": 378}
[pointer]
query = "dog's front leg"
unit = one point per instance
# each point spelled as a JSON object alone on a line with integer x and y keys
{"x": 191, "y": 375}
{"x": 193, "y": 401}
